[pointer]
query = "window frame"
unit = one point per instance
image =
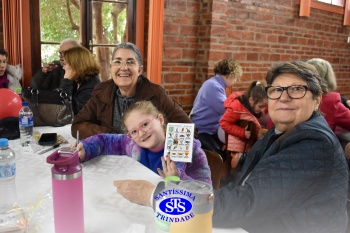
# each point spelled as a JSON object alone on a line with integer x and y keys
{"x": 332, "y": 4}
{"x": 86, "y": 27}
{"x": 328, "y": 7}
{"x": 306, "y": 5}
{"x": 315, "y": 4}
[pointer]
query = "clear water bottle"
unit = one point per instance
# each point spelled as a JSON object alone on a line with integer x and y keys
{"x": 7, "y": 176}
{"x": 26, "y": 124}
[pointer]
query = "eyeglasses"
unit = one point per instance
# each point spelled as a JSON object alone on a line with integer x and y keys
{"x": 118, "y": 63}
{"x": 144, "y": 126}
{"x": 294, "y": 91}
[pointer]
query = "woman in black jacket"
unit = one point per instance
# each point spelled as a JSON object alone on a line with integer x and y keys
{"x": 81, "y": 76}
{"x": 296, "y": 178}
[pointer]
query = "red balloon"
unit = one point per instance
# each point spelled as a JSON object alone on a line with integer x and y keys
{"x": 10, "y": 103}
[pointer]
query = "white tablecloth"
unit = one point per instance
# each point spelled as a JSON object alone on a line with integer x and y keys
{"x": 104, "y": 209}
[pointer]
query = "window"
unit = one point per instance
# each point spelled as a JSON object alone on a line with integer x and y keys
{"x": 98, "y": 24}
{"x": 334, "y": 2}
{"x": 57, "y": 21}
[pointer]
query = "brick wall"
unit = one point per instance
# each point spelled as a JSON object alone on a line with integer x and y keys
{"x": 197, "y": 33}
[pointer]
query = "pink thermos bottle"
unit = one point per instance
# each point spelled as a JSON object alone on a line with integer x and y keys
{"x": 67, "y": 190}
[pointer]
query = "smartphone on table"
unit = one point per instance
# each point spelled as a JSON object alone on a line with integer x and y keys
{"x": 48, "y": 139}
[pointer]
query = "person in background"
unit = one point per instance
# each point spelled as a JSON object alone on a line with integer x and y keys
{"x": 10, "y": 76}
{"x": 334, "y": 111}
{"x": 345, "y": 101}
{"x": 295, "y": 179}
{"x": 50, "y": 75}
{"x": 104, "y": 111}
{"x": 240, "y": 120}
{"x": 208, "y": 106}
{"x": 144, "y": 141}
{"x": 80, "y": 76}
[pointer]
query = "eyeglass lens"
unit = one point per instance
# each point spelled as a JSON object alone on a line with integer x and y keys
{"x": 118, "y": 63}
{"x": 294, "y": 91}
{"x": 144, "y": 126}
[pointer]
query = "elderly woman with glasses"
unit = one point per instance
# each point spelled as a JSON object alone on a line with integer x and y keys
{"x": 295, "y": 179}
{"x": 104, "y": 111}
{"x": 144, "y": 141}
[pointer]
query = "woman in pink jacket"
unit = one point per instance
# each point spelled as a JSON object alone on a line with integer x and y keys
{"x": 240, "y": 120}
{"x": 333, "y": 110}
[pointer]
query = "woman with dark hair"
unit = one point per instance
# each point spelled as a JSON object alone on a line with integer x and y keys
{"x": 10, "y": 76}
{"x": 80, "y": 77}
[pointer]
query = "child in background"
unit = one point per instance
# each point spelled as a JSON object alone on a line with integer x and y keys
{"x": 144, "y": 141}
{"x": 240, "y": 121}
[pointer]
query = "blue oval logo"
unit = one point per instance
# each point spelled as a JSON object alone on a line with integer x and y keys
{"x": 175, "y": 206}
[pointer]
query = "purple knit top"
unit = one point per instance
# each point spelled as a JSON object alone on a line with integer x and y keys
{"x": 119, "y": 144}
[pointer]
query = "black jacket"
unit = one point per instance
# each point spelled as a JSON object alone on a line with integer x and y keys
{"x": 297, "y": 182}
{"x": 50, "y": 80}
{"x": 79, "y": 96}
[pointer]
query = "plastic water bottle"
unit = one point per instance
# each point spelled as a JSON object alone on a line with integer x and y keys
{"x": 19, "y": 91}
{"x": 7, "y": 176}
{"x": 26, "y": 124}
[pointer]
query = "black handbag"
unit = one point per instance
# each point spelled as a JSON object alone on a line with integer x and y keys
{"x": 9, "y": 127}
{"x": 50, "y": 108}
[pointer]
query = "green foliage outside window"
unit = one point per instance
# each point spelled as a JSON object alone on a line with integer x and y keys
{"x": 59, "y": 21}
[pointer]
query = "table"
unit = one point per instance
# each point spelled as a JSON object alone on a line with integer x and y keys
{"x": 104, "y": 209}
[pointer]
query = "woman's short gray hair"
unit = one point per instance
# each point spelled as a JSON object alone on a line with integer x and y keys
{"x": 305, "y": 71}
{"x": 131, "y": 46}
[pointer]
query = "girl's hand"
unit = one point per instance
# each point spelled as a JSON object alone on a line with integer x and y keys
{"x": 80, "y": 148}
{"x": 169, "y": 168}
{"x": 81, "y": 151}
